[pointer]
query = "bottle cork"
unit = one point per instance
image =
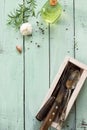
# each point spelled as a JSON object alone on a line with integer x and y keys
{"x": 53, "y": 2}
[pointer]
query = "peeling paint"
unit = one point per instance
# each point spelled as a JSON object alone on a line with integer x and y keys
{"x": 83, "y": 125}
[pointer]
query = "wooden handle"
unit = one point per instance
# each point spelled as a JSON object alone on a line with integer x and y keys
{"x": 50, "y": 117}
{"x": 45, "y": 109}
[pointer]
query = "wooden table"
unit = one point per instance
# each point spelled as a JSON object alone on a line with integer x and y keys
{"x": 25, "y": 78}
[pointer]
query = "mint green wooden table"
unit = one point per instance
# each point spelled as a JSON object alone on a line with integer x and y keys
{"x": 25, "y": 78}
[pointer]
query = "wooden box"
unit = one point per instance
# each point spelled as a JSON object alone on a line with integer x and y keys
{"x": 83, "y": 70}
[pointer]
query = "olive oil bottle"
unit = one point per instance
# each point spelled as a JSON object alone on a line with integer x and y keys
{"x": 51, "y": 11}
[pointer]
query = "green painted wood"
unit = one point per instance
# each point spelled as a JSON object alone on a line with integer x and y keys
{"x": 81, "y": 54}
{"x": 11, "y": 73}
{"x": 55, "y": 49}
{"x": 62, "y": 45}
{"x": 36, "y": 69}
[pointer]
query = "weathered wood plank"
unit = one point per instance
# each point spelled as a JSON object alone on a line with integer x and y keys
{"x": 41, "y": 65}
{"x": 61, "y": 45}
{"x": 11, "y": 72}
{"x": 81, "y": 54}
{"x": 36, "y": 69}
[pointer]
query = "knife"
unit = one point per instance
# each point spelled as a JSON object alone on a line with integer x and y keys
{"x": 47, "y": 106}
{"x": 70, "y": 83}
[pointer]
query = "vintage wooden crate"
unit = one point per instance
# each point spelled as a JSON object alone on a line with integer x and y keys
{"x": 83, "y": 69}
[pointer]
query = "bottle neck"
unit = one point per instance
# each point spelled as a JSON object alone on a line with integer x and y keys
{"x": 53, "y": 2}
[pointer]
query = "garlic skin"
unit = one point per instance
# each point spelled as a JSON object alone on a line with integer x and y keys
{"x": 26, "y": 29}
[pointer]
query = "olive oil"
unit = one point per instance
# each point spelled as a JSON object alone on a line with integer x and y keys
{"x": 51, "y": 11}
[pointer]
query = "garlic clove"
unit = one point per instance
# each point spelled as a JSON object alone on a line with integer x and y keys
{"x": 26, "y": 29}
{"x": 19, "y": 48}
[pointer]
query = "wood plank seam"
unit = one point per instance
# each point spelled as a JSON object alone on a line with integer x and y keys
{"x": 24, "y": 126}
{"x": 24, "y": 82}
{"x": 49, "y": 54}
{"x": 74, "y": 51}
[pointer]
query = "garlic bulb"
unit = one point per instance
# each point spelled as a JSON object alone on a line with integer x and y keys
{"x": 26, "y": 29}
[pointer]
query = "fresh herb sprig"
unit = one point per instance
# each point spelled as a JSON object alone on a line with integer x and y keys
{"x": 22, "y": 13}
{"x": 32, "y": 5}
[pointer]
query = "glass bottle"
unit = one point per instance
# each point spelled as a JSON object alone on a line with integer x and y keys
{"x": 51, "y": 11}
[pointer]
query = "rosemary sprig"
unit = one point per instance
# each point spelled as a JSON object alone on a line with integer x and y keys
{"x": 32, "y": 5}
{"x": 22, "y": 13}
